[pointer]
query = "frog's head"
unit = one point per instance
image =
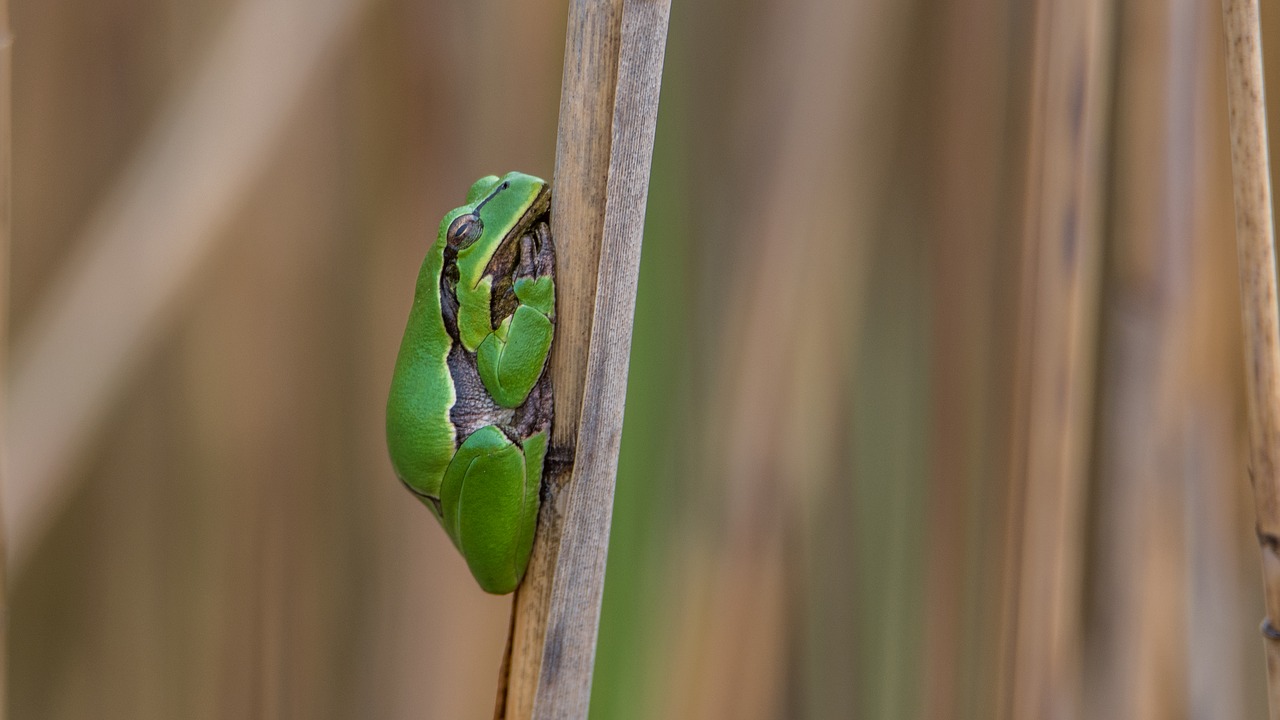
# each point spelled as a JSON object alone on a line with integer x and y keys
{"x": 497, "y": 210}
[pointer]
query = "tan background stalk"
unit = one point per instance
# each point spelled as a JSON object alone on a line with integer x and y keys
{"x": 1135, "y": 643}
{"x": 1054, "y": 381}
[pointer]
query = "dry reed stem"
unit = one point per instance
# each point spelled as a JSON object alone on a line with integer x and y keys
{"x": 1049, "y": 445}
{"x": 145, "y": 242}
{"x": 568, "y": 657}
{"x": 583, "y": 143}
{"x": 1255, "y": 243}
{"x": 613, "y": 70}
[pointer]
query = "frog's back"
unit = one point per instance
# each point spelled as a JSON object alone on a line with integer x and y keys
{"x": 420, "y": 436}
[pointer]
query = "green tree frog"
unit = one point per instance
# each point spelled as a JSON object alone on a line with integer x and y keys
{"x": 470, "y": 407}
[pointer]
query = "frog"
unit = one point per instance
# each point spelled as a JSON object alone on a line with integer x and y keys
{"x": 470, "y": 406}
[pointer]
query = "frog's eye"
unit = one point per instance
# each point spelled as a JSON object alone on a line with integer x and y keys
{"x": 464, "y": 230}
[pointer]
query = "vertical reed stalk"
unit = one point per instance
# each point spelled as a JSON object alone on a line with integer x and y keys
{"x": 608, "y": 115}
{"x": 1255, "y": 243}
{"x": 583, "y": 144}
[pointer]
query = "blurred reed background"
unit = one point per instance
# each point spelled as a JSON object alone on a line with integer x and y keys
{"x": 935, "y": 406}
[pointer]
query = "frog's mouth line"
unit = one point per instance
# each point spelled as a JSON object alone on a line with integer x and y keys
{"x": 540, "y": 206}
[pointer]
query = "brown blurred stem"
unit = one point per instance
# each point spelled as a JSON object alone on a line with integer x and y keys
{"x": 1255, "y": 243}
{"x": 608, "y": 114}
{"x": 6, "y": 215}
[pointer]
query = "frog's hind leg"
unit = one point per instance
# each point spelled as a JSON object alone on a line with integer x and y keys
{"x": 486, "y": 499}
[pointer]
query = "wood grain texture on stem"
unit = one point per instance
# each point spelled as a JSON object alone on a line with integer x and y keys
{"x": 583, "y": 141}
{"x": 1255, "y": 243}
{"x": 608, "y": 116}
{"x": 584, "y": 138}
{"x": 568, "y": 657}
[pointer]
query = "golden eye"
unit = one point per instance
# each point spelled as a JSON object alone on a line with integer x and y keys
{"x": 464, "y": 230}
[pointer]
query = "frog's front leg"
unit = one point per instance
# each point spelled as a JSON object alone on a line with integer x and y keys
{"x": 489, "y": 499}
{"x": 511, "y": 358}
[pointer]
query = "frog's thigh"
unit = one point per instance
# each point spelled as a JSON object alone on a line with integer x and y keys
{"x": 515, "y": 366}
{"x": 483, "y": 496}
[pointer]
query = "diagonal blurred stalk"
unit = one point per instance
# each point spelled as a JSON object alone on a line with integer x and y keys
{"x": 144, "y": 245}
{"x": 1255, "y": 242}
{"x": 1052, "y": 384}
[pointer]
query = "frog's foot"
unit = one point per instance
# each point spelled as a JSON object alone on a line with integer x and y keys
{"x": 532, "y": 280}
{"x": 537, "y": 253}
{"x": 511, "y": 359}
{"x": 509, "y": 366}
